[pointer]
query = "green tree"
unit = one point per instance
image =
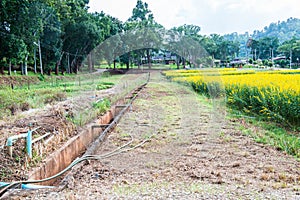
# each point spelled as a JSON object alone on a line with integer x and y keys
{"x": 291, "y": 49}
{"x": 182, "y": 41}
{"x": 141, "y": 14}
{"x": 143, "y": 25}
{"x": 20, "y": 26}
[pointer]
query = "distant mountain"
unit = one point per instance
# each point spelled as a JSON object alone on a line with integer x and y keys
{"x": 284, "y": 31}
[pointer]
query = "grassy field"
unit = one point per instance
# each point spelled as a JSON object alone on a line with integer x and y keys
{"x": 36, "y": 94}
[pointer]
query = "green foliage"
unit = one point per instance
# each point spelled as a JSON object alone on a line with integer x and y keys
{"x": 270, "y": 133}
{"x": 250, "y": 61}
{"x": 41, "y": 77}
{"x": 219, "y": 47}
{"x": 284, "y": 30}
{"x": 104, "y": 85}
{"x": 102, "y": 106}
{"x": 66, "y": 31}
{"x": 267, "y": 101}
{"x": 141, "y": 14}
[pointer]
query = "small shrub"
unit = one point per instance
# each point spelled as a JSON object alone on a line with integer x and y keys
{"x": 102, "y": 106}
{"x": 49, "y": 99}
{"x": 41, "y": 77}
{"x": 104, "y": 86}
{"x": 13, "y": 108}
{"x": 106, "y": 74}
{"x": 25, "y": 106}
{"x": 60, "y": 96}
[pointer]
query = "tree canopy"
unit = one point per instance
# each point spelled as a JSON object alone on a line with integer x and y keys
{"x": 48, "y": 35}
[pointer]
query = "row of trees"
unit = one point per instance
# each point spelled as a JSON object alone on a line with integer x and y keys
{"x": 54, "y": 35}
{"x": 269, "y": 48}
{"x": 49, "y": 34}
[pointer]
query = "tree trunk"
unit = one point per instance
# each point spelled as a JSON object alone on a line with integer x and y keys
{"x": 115, "y": 64}
{"x": 9, "y": 68}
{"x": 68, "y": 60}
{"x": 25, "y": 66}
{"x": 22, "y": 68}
{"x": 46, "y": 67}
{"x": 2, "y": 70}
{"x": 76, "y": 67}
{"x": 93, "y": 60}
{"x": 128, "y": 62}
{"x": 178, "y": 61}
{"x": 49, "y": 72}
{"x": 183, "y": 62}
{"x": 57, "y": 68}
{"x": 90, "y": 64}
{"x": 149, "y": 58}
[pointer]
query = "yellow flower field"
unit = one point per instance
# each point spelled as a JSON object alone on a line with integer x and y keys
{"x": 274, "y": 94}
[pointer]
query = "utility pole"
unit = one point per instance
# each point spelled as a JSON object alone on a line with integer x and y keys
{"x": 272, "y": 57}
{"x": 247, "y": 55}
{"x": 41, "y": 62}
{"x": 25, "y": 65}
{"x": 291, "y": 57}
{"x": 35, "y": 71}
{"x": 35, "y": 44}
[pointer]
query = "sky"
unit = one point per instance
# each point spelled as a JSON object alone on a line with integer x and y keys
{"x": 213, "y": 16}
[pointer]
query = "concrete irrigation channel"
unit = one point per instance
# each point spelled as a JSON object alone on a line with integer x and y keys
{"x": 85, "y": 144}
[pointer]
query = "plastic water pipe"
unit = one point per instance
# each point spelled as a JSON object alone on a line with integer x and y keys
{"x": 11, "y": 140}
{"x": 34, "y": 187}
{"x": 29, "y": 144}
{"x": 28, "y": 137}
{"x": 27, "y": 186}
{"x": 3, "y": 184}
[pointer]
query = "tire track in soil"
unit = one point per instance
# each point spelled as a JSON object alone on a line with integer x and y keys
{"x": 193, "y": 153}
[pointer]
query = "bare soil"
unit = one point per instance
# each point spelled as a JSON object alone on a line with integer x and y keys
{"x": 182, "y": 148}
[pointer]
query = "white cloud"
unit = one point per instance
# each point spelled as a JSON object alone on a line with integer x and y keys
{"x": 213, "y": 16}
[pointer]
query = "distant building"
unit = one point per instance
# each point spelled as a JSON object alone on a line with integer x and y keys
{"x": 238, "y": 61}
{"x": 279, "y": 58}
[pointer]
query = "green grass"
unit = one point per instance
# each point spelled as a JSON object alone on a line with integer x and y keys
{"x": 52, "y": 89}
{"x": 102, "y": 106}
{"x": 270, "y": 133}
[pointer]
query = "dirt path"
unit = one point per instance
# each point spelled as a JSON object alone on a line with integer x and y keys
{"x": 189, "y": 150}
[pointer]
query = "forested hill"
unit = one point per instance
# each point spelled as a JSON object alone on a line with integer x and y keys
{"x": 280, "y": 31}
{"x": 284, "y": 31}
